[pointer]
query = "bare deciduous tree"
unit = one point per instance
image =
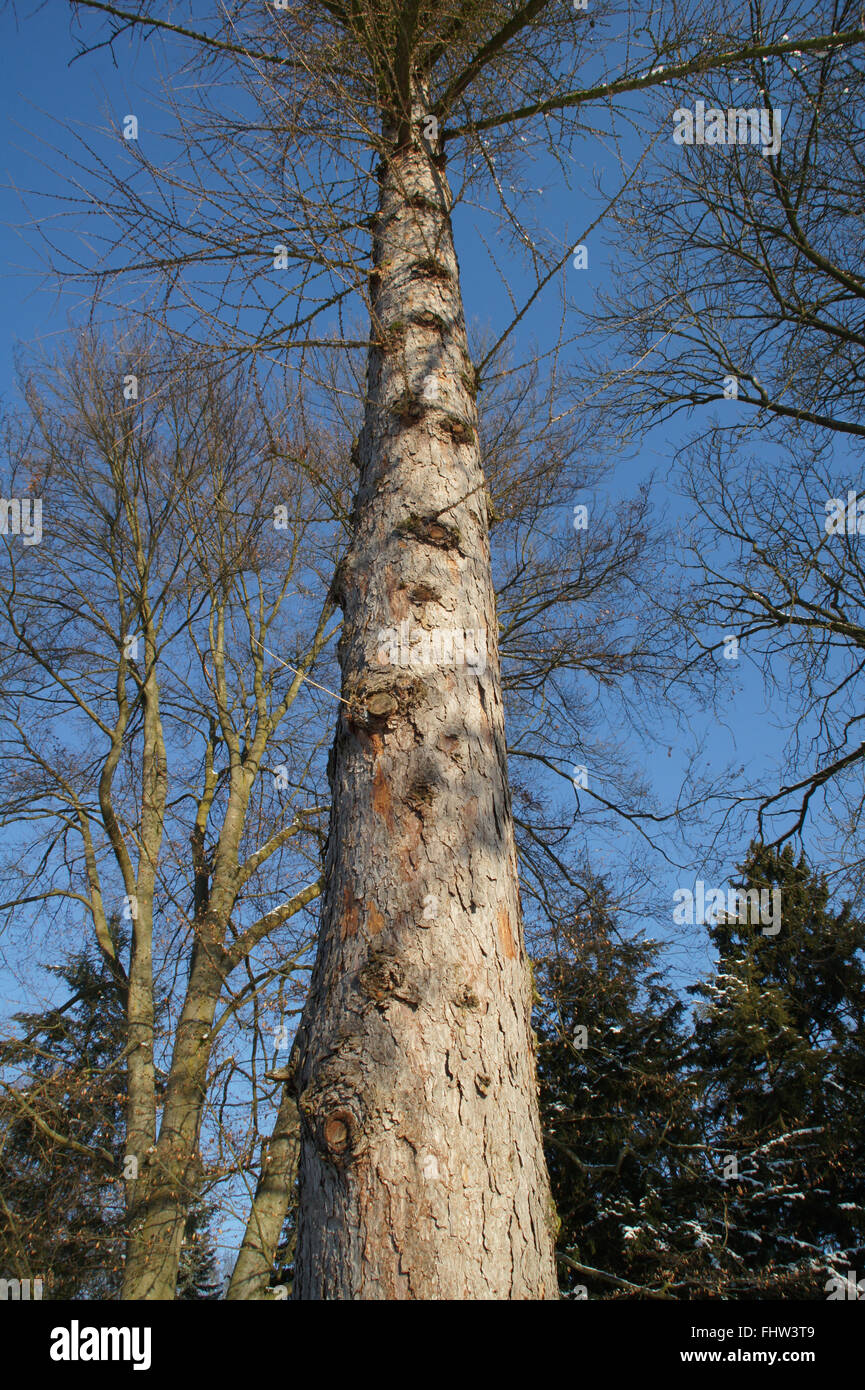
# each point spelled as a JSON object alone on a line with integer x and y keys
{"x": 149, "y": 765}
{"x": 741, "y": 286}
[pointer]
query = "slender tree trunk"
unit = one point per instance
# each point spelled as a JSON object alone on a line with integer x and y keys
{"x": 141, "y": 1074}
{"x": 172, "y": 1171}
{"x": 422, "y": 1173}
{"x": 255, "y": 1258}
{"x": 172, "y": 1174}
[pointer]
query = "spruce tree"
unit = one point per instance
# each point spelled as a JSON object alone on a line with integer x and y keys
{"x": 618, "y": 1112}
{"x": 780, "y": 1047}
{"x": 62, "y": 1128}
{"x": 198, "y": 1277}
{"x": 61, "y": 1138}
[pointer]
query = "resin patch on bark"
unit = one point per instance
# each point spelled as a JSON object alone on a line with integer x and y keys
{"x": 382, "y": 800}
{"x": 350, "y": 916}
{"x": 506, "y": 935}
{"x": 374, "y": 919}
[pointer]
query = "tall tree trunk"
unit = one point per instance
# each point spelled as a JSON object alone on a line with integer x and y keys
{"x": 255, "y": 1258}
{"x": 422, "y": 1173}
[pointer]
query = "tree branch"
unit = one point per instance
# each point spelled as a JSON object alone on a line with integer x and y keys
{"x": 749, "y": 53}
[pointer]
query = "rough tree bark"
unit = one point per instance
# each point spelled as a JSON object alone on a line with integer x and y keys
{"x": 422, "y": 1173}
{"x": 252, "y": 1269}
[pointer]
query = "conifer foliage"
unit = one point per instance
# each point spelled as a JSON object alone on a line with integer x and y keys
{"x": 61, "y": 1126}
{"x": 618, "y": 1108}
{"x": 720, "y": 1157}
{"x": 780, "y": 1051}
{"x": 62, "y": 1104}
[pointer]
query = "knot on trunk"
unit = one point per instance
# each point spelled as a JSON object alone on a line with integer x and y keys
{"x": 430, "y": 318}
{"x": 336, "y": 592}
{"x": 424, "y": 779}
{"x": 377, "y": 700}
{"x": 422, "y": 592}
{"x": 409, "y": 408}
{"x": 430, "y": 268}
{"x": 425, "y": 202}
{"x": 390, "y": 338}
{"x": 381, "y": 704}
{"x": 420, "y": 794}
{"x": 470, "y": 378}
{"x": 462, "y": 431}
{"x": 335, "y": 1120}
{"x": 337, "y": 1131}
{"x": 430, "y": 530}
{"x": 382, "y": 976}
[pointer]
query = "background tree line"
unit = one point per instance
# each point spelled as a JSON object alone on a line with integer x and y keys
{"x": 719, "y": 1156}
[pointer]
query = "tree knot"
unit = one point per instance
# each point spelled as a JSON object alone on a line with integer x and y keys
{"x": 431, "y": 530}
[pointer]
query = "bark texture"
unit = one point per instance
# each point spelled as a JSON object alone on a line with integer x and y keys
{"x": 422, "y": 1172}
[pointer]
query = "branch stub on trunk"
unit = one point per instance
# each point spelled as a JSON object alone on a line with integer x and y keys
{"x": 337, "y": 1132}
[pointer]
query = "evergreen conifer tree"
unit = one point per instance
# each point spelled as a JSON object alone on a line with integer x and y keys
{"x": 779, "y": 1042}
{"x": 621, "y": 1132}
{"x": 61, "y": 1138}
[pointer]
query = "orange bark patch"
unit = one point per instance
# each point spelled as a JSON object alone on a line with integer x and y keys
{"x": 374, "y": 919}
{"x": 382, "y": 802}
{"x": 399, "y": 604}
{"x": 506, "y": 936}
{"x": 350, "y": 916}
